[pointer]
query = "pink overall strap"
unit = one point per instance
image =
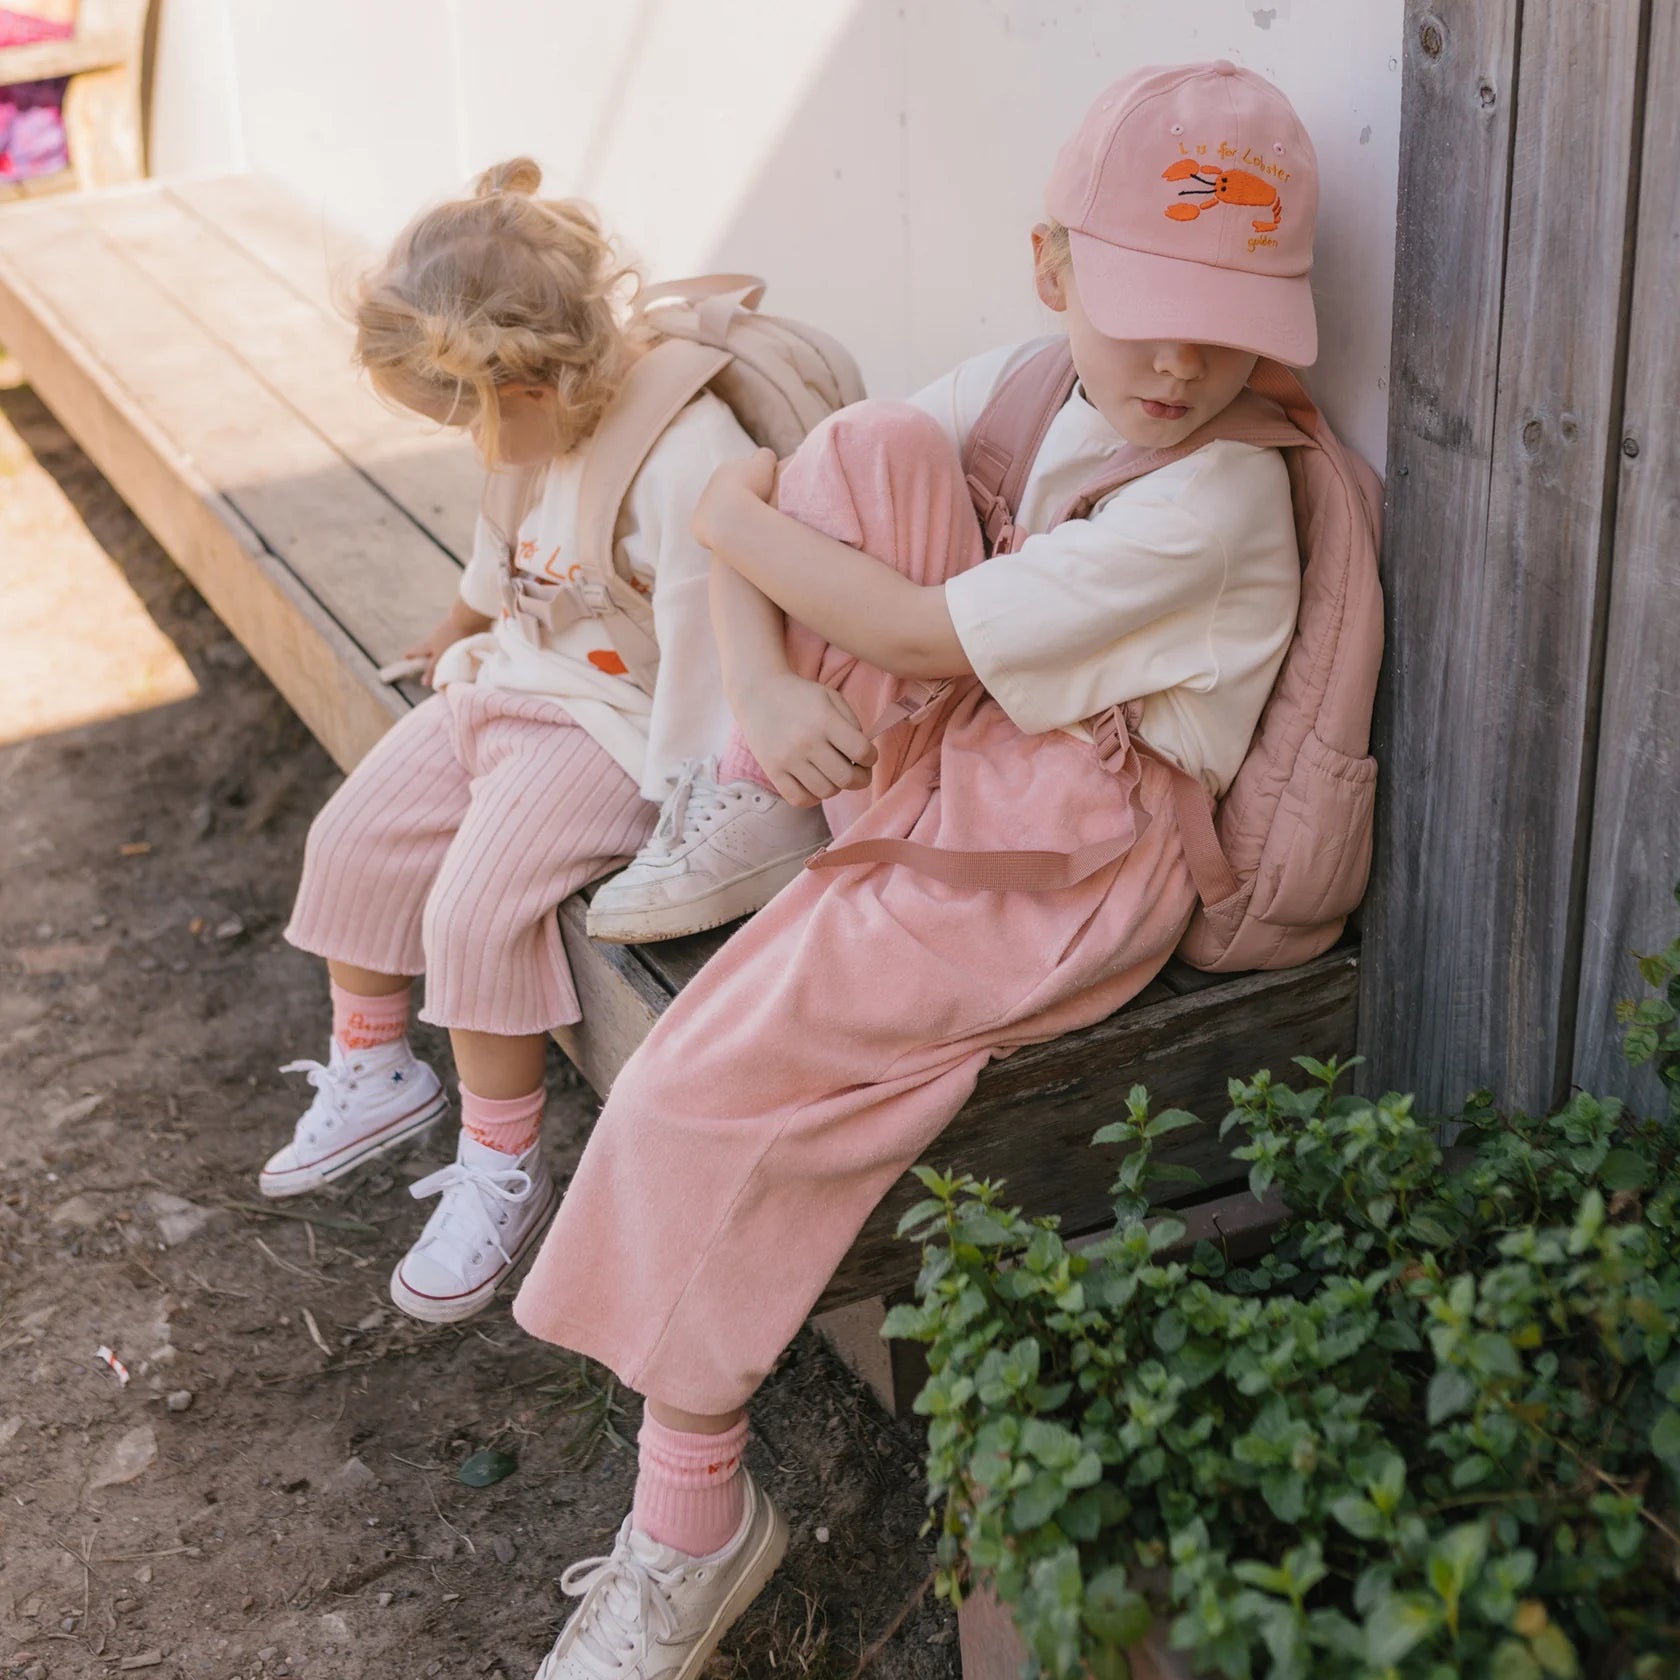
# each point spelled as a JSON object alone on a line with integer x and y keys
{"x": 1005, "y": 440}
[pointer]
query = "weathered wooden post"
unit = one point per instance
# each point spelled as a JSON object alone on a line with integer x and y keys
{"x": 1520, "y": 149}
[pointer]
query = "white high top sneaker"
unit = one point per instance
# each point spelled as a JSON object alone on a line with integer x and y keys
{"x": 494, "y": 1208}
{"x": 720, "y": 851}
{"x": 650, "y": 1612}
{"x": 367, "y": 1102}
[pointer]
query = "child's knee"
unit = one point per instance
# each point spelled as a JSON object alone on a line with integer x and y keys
{"x": 470, "y": 927}
{"x": 859, "y": 452}
{"x": 897, "y": 432}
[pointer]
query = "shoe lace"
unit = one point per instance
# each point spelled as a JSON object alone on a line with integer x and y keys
{"x": 696, "y": 796}
{"x": 620, "y": 1593}
{"x": 469, "y": 1193}
{"x": 333, "y": 1081}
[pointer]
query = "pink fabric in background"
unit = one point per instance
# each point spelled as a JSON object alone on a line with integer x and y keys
{"x": 31, "y": 113}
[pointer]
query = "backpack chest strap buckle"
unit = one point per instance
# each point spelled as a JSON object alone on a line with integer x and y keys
{"x": 996, "y": 521}
{"x": 555, "y": 605}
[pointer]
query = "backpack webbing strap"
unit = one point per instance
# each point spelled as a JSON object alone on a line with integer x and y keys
{"x": 1045, "y": 871}
{"x": 661, "y": 384}
{"x": 1005, "y": 440}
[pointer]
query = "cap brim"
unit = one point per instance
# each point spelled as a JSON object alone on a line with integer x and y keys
{"x": 1136, "y": 294}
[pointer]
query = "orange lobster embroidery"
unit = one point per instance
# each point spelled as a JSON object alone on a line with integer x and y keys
{"x": 1222, "y": 186}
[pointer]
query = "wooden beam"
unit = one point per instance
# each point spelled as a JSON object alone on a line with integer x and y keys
{"x": 1508, "y": 339}
{"x": 328, "y": 679}
{"x": 188, "y": 431}
{"x": 1635, "y": 857}
{"x": 1032, "y": 1115}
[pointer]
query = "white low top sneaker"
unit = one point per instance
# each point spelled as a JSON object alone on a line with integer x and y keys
{"x": 494, "y": 1208}
{"x": 367, "y": 1102}
{"x": 720, "y": 850}
{"x": 650, "y": 1612}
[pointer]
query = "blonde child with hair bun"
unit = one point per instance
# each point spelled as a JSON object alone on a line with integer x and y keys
{"x": 540, "y": 766}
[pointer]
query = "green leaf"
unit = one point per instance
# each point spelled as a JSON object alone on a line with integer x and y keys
{"x": 923, "y": 1211}
{"x": 1665, "y": 1437}
{"x": 1170, "y": 1332}
{"x": 1035, "y": 1504}
{"x": 1469, "y": 1471}
{"x": 909, "y": 1322}
{"x": 1286, "y": 1492}
{"x": 1624, "y": 1169}
{"x": 975, "y": 1225}
{"x": 1055, "y": 1447}
{"x": 1513, "y": 1660}
{"x": 485, "y": 1469}
{"x": 1557, "y": 1656}
{"x": 1400, "y": 1622}
{"x": 1456, "y": 1558}
{"x": 1359, "y": 1517}
{"x": 1450, "y": 1392}
{"x": 1170, "y": 1120}
{"x": 1113, "y": 1612}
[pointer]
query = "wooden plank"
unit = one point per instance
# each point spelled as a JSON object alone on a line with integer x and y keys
{"x": 381, "y": 579}
{"x": 1449, "y": 276}
{"x": 1635, "y": 857}
{"x": 620, "y": 1000}
{"x": 303, "y": 357}
{"x": 1032, "y": 1115}
{"x": 674, "y": 962}
{"x": 327, "y": 678}
{"x": 1494, "y": 538}
{"x": 298, "y": 246}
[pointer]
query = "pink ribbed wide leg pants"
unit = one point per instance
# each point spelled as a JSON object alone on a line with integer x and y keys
{"x": 826, "y": 1046}
{"x": 450, "y": 846}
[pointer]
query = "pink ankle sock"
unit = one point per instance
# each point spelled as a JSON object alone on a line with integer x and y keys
{"x": 361, "y": 1023}
{"x": 509, "y": 1124}
{"x": 738, "y": 764}
{"x": 689, "y": 1489}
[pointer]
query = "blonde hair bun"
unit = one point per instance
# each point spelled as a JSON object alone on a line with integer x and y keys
{"x": 499, "y": 288}
{"x": 517, "y": 175}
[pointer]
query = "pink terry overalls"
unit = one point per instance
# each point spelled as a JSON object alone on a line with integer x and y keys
{"x": 832, "y": 1039}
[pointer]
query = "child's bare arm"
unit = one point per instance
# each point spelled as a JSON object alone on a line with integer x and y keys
{"x": 848, "y": 598}
{"x": 803, "y": 735}
{"x": 461, "y": 620}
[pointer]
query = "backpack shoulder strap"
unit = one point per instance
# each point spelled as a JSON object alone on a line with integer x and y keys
{"x": 663, "y": 382}
{"x": 1251, "y": 418}
{"x": 509, "y": 494}
{"x": 1000, "y": 450}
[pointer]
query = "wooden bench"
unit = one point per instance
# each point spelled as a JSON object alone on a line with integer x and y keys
{"x": 186, "y": 335}
{"x": 103, "y": 104}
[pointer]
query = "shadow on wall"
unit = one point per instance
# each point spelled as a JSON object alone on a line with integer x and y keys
{"x": 913, "y": 194}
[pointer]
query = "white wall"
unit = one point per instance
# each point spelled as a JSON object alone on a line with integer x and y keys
{"x": 879, "y": 160}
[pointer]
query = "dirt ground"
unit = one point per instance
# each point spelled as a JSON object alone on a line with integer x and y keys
{"x": 275, "y": 1491}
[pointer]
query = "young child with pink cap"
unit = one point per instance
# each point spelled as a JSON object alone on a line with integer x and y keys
{"x": 937, "y": 691}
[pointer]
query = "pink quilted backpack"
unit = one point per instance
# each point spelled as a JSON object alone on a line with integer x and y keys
{"x": 1286, "y": 859}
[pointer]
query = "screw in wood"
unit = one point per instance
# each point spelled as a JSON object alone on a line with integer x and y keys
{"x": 1630, "y": 447}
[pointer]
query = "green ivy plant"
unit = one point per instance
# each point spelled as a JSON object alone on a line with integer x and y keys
{"x": 1433, "y": 1432}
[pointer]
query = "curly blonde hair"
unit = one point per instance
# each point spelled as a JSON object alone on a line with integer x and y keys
{"x": 498, "y": 289}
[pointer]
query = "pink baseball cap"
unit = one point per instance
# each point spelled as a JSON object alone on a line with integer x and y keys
{"x": 1189, "y": 195}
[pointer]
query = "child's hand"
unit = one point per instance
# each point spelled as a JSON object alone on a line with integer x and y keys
{"x": 458, "y": 622}
{"x": 806, "y": 737}
{"x": 753, "y": 477}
